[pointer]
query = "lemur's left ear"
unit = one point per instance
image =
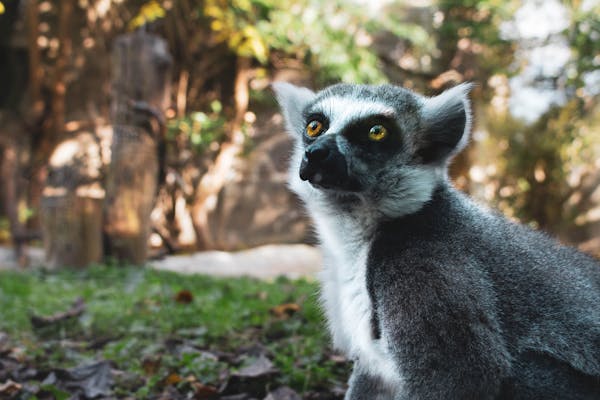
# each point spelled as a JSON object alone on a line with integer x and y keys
{"x": 447, "y": 122}
{"x": 292, "y": 100}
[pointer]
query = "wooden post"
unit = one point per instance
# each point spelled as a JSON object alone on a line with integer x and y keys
{"x": 71, "y": 204}
{"x": 141, "y": 87}
{"x": 72, "y": 226}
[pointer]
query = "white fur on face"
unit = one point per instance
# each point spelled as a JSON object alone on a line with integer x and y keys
{"x": 341, "y": 110}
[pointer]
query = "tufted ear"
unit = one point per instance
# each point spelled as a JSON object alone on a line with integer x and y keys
{"x": 447, "y": 123}
{"x": 292, "y": 100}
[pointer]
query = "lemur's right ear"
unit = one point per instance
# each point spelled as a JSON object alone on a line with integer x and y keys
{"x": 447, "y": 123}
{"x": 292, "y": 100}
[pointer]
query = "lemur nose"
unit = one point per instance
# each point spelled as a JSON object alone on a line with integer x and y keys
{"x": 316, "y": 153}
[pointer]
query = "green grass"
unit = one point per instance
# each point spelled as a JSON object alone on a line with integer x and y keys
{"x": 132, "y": 316}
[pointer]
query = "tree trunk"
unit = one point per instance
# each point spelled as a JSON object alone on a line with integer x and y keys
{"x": 35, "y": 71}
{"x": 141, "y": 77}
{"x": 12, "y": 185}
{"x": 8, "y": 178}
{"x": 215, "y": 178}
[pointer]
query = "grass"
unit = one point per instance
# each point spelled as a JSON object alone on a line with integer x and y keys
{"x": 134, "y": 316}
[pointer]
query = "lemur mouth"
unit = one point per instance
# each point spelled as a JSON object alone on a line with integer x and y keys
{"x": 317, "y": 179}
{"x": 333, "y": 181}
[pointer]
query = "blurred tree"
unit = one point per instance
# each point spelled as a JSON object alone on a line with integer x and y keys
{"x": 547, "y": 173}
{"x": 240, "y": 37}
{"x": 222, "y": 48}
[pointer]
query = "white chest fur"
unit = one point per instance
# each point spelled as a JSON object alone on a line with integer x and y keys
{"x": 346, "y": 299}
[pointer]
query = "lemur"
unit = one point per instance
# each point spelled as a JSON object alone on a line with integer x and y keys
{"x": 430, "y": 294}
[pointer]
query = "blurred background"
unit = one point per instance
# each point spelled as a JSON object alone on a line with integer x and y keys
{"x": 137, "y": 129}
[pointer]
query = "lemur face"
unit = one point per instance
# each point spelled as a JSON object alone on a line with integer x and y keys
{"x": 380, "y": 144}
{"x": 353, "y": 134}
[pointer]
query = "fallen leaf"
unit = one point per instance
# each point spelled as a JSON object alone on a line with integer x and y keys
{"x": 285, "y": 310}
{"x": 170, "y": 393}
{"x": 91, "y": 380}
{"x": 9, "y": 388}
{"x": 128, "y": 381}
{"x": 3, "y": 342}
{"x": 151, "y": 364}
{"x": 57, "y": 393}
{"x": 241, "y": 396}
{"x": 17, "y": 370}
{"x": 76, "y": 310}
{"x": 259, "y": 366}
{"x": 283, "y": 393}
{"x": 202, "y": 391}
{"x": 18, "y": 353}
{"x": 252, "y": 378}
{"x": 173, "y": 379}
{"x": 192, "y": 332}
{"x": 253, "y": 350}
{"x": 338, "y": 358}
{"x": 184, "y": 297}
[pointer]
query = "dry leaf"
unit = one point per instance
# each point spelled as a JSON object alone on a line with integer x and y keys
{"x": 88, "y": 380}
{"x": 173, "y": 379}
{"x": 3, "y": 342}
{"x": 151, "y": 364}
{"x": 260, "y": 366}
{"x": 338, "y": 358}
{"x": 202, "y": 391}
{"x": 9, "y": 388}
{"x": 283, "y": 393}
{"x": 184, "y": 297}
{"x": 285, "y": 310}
{"x": 76, "y": 310}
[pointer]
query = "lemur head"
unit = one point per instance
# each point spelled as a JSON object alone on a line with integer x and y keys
{"x": 381, "y": 146}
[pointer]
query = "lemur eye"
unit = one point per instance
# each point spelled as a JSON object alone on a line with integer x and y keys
{"x": 377, "y": 133}
{"x": 314, "y": 128}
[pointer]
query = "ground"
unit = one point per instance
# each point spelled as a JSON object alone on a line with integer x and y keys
{"x": 130, "y": 332}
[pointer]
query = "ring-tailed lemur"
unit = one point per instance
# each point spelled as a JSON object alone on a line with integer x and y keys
{"x": 431, "y": 295}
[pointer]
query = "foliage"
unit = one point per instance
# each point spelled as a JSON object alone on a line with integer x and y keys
{"x": 473, "y": 27}
{"x": 583, "y": 34}
{"x": 418, "y": 45}
{"x": 546, "y": 175}
{"x": 134, "y": 316}
{"x": 4, "y": 230}
{"x": 543, "y": 172}
{"x": 149, "y": 12}
{"x": 334, "y": 38}
{"x": 234, "y": 22}
{"x": 200, "y": 128}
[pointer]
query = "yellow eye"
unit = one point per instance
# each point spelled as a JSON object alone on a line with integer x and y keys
{"x": 377, "y": 133}
{"x": 314, "y": 128}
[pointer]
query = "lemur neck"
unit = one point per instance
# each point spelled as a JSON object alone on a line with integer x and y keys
{"x": 442, "y": 208}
